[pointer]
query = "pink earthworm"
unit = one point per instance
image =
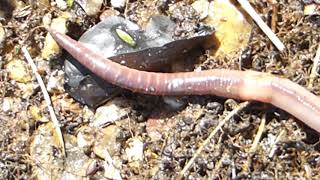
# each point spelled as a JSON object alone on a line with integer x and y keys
{"x": 243, "y": 85}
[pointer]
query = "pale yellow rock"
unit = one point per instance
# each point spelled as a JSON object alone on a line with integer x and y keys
{"x": 51, "y": 48}
{"x": 106, "y": 139}
{"x": 18, "y": 71}
{"x": 85, "y": 137}
{"x": 35, "y": 112}
{"x": 311, "y": 9}
{"x": 41, "y": 153}
{"x": 48, "y": 163}
{"x": 233, "y": 29}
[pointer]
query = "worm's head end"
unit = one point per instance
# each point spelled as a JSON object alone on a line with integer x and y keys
{"x": 61, "y": 38}
{"x": 52, "y": 32}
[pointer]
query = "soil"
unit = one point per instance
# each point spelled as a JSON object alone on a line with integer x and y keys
{"x": 287, "y": 149}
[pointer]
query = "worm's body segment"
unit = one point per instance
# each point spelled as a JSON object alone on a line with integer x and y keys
{"x": 244, "y": 85}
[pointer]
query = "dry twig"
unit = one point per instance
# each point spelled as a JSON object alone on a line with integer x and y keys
{"x": 263, "y": 26}
{"x": 212, "y": 134}
{"x": 255, "y": 143}
{"x": 46, "y": 98}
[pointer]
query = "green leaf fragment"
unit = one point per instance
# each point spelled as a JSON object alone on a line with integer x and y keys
{"x": 124, "y": 36}
{"x": 69, "y": 2}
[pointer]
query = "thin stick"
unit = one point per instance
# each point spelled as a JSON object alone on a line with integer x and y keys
{"x": 274, "y": 145}
{"x": 213, "y": 133}
{"x": 46, "y": 98}
{"x": 259, "y": 133}
{"x": 126, "y": 8}
{"x": 245, "y": 167}
{"x": 314, "y": 73}
{"x": 263, "y": 26}
{"x": 274, "y": 17}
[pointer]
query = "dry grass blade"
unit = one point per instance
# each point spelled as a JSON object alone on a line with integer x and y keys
{"x": 263, "y": 26}
{"x": 259, "y": 133}
{"x": 212, "y": 134}
{"x": 46, "y": 98}
{"x": 315, "y": 66}
{"x": 274, "y": 145}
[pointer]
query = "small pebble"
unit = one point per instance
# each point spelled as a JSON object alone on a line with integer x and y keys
{"x": 106, "y": 139}
{"x": 93, "y": 167}
{"x": 87, "y": 114}
{"x": 214, "y": 107}
{"x": 27, "y": 89}
{"x": 46, "y": 20}
{"x": 85, "y": 137}
{"x": 55, "y": 82}
{"x": 205, "y": 123}
{"x": 201, "y": 7}
{"x": 174, "y": 103}
{"x": 134, "y": 153}
{"x": 110, "y": 172}
{"x": 311, "y": 9}
{"x": 45, "y": 150}
{"x": 41, "y": 4}
{"x": 35, "y": 113}
{"x": 156, "y": 127}
{"x": 109, "y": 113}
{"x": 107, "y": 13}
{"x": 91, "y": 7}
{"x": 51, "y": 48}
{"x": 6, "y": 104}
{"x": 61, "y": 4}
{"x": 118, "y": 3}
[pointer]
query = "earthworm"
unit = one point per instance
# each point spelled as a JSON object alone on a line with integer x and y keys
{"x": 243, "y": 85}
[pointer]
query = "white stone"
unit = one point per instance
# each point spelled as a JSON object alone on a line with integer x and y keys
{"x": 112, "y": 111}
{"x": 202, "y": 7}
{"x": 118, "y": 3}
{"x": 6, "y": 104}
{"x": 61, "y": 4}
{"x": 134, "y": 151}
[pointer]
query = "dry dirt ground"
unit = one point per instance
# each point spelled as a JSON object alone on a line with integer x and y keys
{"x": 285, "y": 148}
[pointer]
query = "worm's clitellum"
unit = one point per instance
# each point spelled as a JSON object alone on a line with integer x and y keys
{"x": 244, "y": 85}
